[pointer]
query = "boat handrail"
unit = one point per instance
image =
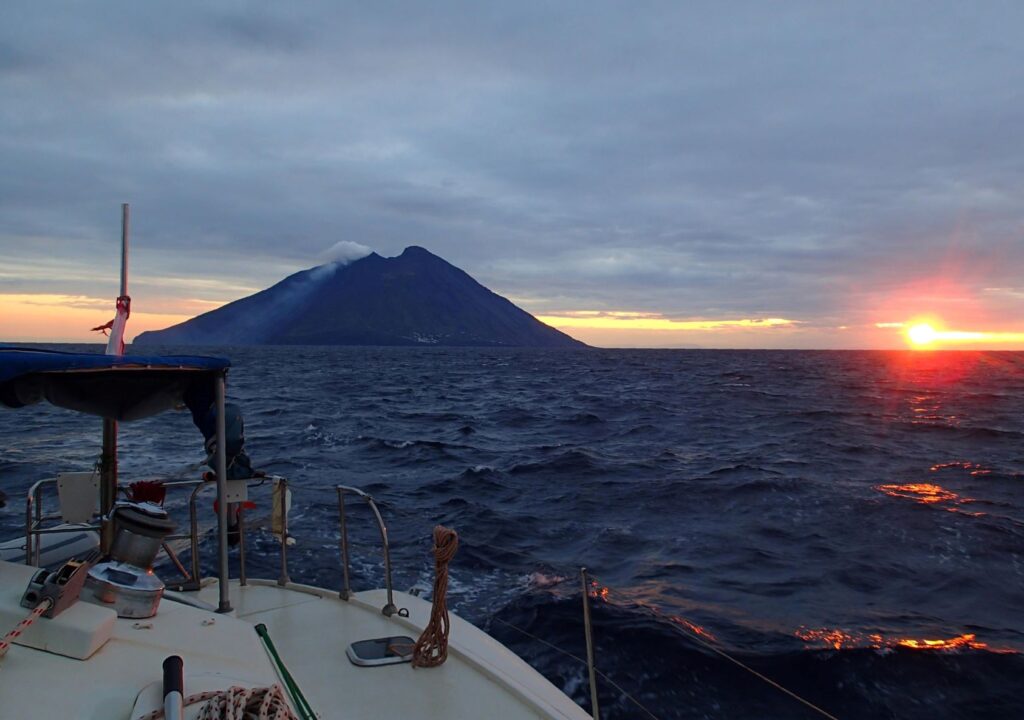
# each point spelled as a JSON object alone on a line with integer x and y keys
{"x": 193, "y": 583}
{"x": 32, "y": 501}
{"x": 34, "y": 519}
{"x": 389, "y": 608}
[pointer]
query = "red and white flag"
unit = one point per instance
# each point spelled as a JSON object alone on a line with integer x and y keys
{"x": 115, "y": 345}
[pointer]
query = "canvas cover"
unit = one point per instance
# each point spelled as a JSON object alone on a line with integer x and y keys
{"x": 121, "y": 388}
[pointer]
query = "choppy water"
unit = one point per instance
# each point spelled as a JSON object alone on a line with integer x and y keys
{"x": 827, "y": 517}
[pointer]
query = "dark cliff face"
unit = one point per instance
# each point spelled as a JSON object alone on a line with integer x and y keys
{"x": 413, "y": 299}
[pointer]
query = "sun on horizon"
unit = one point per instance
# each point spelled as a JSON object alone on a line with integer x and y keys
{"x": 922, "y": 334}
{"x": 931, "y": 334}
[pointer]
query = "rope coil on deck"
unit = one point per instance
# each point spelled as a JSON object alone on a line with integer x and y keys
{"x": 238, "y": 703}
{"x": 431, "y": 649}
{"x": 24, "y": 625}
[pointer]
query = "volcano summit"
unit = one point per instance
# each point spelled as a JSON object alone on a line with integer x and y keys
{"x": 416, "y": 298}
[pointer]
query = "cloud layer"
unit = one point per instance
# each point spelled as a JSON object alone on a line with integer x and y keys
{"x": 698, "y": 160}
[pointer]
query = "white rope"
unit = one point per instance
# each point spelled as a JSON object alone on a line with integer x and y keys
{"x": 24, "y": 625}
{"x": 238, "y": 703}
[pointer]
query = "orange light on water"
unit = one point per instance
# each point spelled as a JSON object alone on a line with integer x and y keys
{"x": 839, "y": 639}
{"x": 926, "y": 493}
{"x": 693, "y": 627}
{"x": 972, "y": 467}
{"x": 834, "y": 638}
{"x": 960, "y": 641}
{"x": 931, "y": 494}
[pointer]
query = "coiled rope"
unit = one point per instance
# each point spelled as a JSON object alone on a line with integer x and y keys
{"x": 431, "y": 649}
{"x": 24, "y": 625}
{"x": 238, "y": 703}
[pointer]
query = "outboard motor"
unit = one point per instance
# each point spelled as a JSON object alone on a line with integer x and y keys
{"x": 125, "y": 580}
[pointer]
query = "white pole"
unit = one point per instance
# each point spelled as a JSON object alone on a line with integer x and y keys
{"x": 125, "y": 213}
{"x": 115, "y": 345}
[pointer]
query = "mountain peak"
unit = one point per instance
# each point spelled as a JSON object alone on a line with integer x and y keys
{"x": 414, "y": 251}
{"x": 415, "y": 298}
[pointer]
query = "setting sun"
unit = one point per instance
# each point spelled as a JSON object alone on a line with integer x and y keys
{"x": 926, "y": 335}
{"x": 922, "y": 334}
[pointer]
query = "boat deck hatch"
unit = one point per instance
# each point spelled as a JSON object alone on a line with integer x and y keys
{"x": 381, "y": 651}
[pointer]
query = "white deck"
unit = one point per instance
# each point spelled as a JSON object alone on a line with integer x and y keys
{"x": 38, "y": 684}
{"x": 311, "y": 629}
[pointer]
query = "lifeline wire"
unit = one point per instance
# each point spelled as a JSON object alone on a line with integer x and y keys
{"x": 687, "y": 633}
{"x": 661, "y": 616}
{"x": 604, "y": 677}
{"x": 582, "y": 662}
{"x": 680, "y": 630}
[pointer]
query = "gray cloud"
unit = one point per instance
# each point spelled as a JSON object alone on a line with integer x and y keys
{"x": 693, "y": 159}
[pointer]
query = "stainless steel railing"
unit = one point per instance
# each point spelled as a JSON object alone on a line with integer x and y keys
{"x": 34, "y": 519}
{"x": 193, "y": 582}
{"x": 389, "y": 608}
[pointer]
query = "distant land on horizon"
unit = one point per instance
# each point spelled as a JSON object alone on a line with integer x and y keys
{"x": 416, "y": 298}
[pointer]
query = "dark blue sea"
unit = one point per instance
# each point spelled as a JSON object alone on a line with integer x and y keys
{"x": 849, "y": 524}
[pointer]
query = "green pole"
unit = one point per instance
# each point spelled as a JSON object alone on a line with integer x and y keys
{"x": 298, "y": 699}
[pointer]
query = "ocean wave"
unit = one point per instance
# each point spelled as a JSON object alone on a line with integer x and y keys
{"x": 749, "y": 511}
{"x": 574, "y": 462}
{"x": 661, "y": 658}
{"x": 584, "y": 418}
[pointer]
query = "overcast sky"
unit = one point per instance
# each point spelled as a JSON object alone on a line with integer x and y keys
{"x": 837, "y": 165}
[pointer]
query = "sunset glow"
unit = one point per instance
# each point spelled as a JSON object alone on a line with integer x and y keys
{"x": 921, "y": 334}
{"x": 924, "y": 335}
{"x": 68, "y": 318}
{"x": 630, "y": 328}
{"x": 625, "y": 320}
{"x": 930, "y": 334}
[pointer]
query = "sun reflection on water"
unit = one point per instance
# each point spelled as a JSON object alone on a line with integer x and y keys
{"x": 599, "y": 592}
{"x": 693, "y": 627}
{"x": 933, "y": 494}
{"x": 926, "y": 493}
{"x": 839, "y": 639}
{"x": 974, "y": 468}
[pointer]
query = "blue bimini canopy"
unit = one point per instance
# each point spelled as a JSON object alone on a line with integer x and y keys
{"x": 128, "y": 387}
